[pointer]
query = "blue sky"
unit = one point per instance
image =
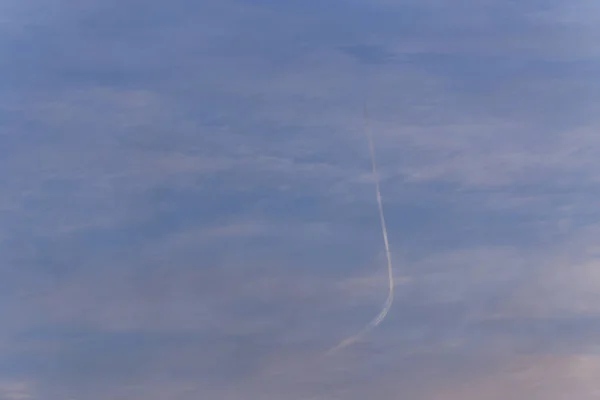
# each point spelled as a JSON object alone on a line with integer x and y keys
{"x": 187, "y": 210}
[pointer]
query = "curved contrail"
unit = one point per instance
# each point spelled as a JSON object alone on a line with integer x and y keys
{"x": 390, "y": 299}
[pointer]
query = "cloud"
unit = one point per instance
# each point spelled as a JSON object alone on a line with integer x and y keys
{"x": 529, "y": 377}
{"x": 187, "y": 209}
{"x": 162, "y": 317}
{"x": 16, "y": 390}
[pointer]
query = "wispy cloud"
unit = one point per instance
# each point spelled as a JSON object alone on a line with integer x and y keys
{"x": 16, "y": 390}
{"x": 186, "y": 207}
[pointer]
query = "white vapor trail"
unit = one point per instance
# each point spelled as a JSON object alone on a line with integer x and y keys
{"x": 390, "y": 299}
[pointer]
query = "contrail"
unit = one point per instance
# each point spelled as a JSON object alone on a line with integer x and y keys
{"x": 390, "y": 299}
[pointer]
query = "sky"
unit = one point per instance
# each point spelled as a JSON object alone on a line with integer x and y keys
{"x": 187, "y": 209}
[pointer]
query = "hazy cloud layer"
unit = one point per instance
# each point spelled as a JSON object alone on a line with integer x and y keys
{"x": 187, "y": 211}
